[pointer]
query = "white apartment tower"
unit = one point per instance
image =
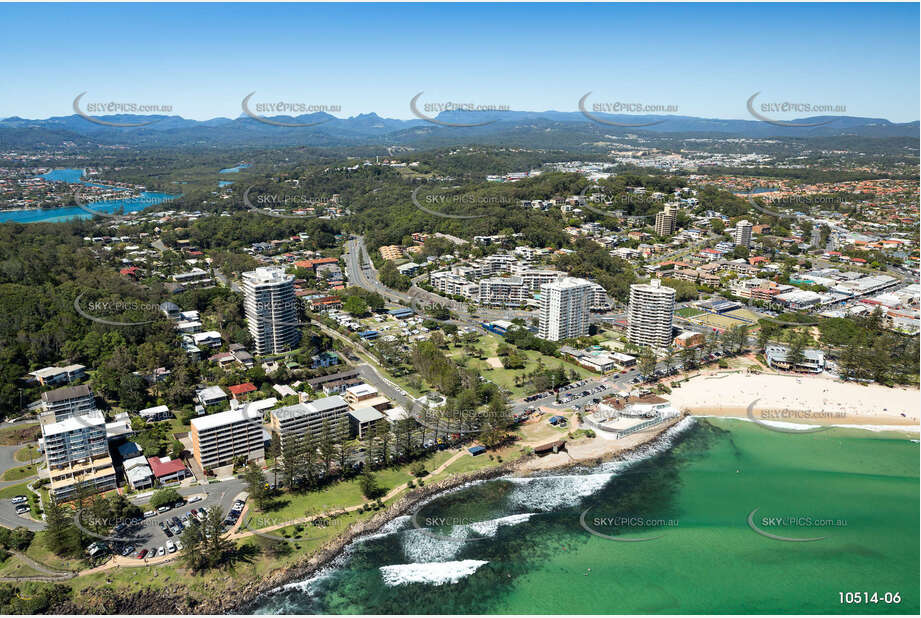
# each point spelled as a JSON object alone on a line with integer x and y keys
{"x": 649, "y": 318}
{"x": 271, "y": 309}
{"x": 742, "y": 234}
{"x": 564, "y": 305}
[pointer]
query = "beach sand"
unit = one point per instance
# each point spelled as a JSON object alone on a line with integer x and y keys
{"x": 802, "y": 399}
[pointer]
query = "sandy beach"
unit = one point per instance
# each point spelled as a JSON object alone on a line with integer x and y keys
{"x": 798, "y": 399}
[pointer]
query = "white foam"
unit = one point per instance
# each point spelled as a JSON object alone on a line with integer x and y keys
{"x": 491, "y": 526}
{"x": 391, "y": 527}
{"x": 436, "y": 574}
{"x": 421, "y": 545}
{"x": 548, "y": 493}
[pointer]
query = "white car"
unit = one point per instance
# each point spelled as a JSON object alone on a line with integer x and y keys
{"x": 194, "y": 499}
{"x": 161, "y": 551}
{"x": 170, "y": 547}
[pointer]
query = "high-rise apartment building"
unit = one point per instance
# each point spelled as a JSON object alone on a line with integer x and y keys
{"x": 271, "y": 309}
{"x": 649, "y": 318}
{"x": 564, "y": 306}
{"x": 742, "y": 234}
{"x": 77, "y": 455}
{"x": 667, "y": 220}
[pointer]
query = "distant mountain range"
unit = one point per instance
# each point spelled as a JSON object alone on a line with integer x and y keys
{"x": 539, "y": 129}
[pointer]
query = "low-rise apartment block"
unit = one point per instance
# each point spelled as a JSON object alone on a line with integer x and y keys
{"x": 308, "y": 418}
{"x": 220, "y": 439}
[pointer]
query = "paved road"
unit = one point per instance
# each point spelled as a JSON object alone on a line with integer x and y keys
{"x": 366, "y": 277}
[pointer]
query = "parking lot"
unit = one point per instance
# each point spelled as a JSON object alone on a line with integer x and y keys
{"x": 157, "y": 534}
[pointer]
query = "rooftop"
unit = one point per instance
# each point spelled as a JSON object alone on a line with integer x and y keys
{"x": 66, "y": 392}
{"x": 240, "y": 415}
{"x": 366, "y": 415}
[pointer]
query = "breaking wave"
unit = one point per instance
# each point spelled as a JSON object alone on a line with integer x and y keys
{"x": 436, "y": 573}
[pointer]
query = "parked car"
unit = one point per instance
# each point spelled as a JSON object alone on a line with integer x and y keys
{"x": 128, "y": 551}
{"x": 141, "y": 554}
{"x": 19, "y": 499}
{"x": 161, "y": 551}
{"x": 148, "y": 514}
{"x": 22, "y": 509}
{"x": 194, "y": 499}
{"x": 170, "y": 547}
{"x": 167, "y": 532}
{"x": 164, "y": 508}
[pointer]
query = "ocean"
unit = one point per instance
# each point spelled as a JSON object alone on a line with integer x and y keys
{"x": 712, "y": 521}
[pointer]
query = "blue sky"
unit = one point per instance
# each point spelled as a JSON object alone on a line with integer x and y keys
{"x": 707, "y": 59}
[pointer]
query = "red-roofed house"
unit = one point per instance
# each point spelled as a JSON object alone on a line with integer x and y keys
{"x": 167, "y": 470}
{"x": 757, "y": 259}
{"x": 131, "y": 271}
{"x": 240, "y": 391}
{"x": 316, "y": 262}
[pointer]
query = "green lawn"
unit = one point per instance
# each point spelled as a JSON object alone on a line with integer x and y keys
{"x": 14, "y": 490}
{"x": 13, "y": 567}
{"x": 27, "y": 453}
{"x": 291, "y": 505}
{"x": 469, "y": 463}
{"x": 688, "y": 312}
{"x": 40, "y": 553}
{"x": 22, "y": 472}
{"x": 505, "y": 378}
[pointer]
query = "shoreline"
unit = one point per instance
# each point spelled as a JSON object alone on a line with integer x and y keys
{"x": 401, "y": 507}
{"x": 790, "y": 400}
{"x": 239, "y": 599}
